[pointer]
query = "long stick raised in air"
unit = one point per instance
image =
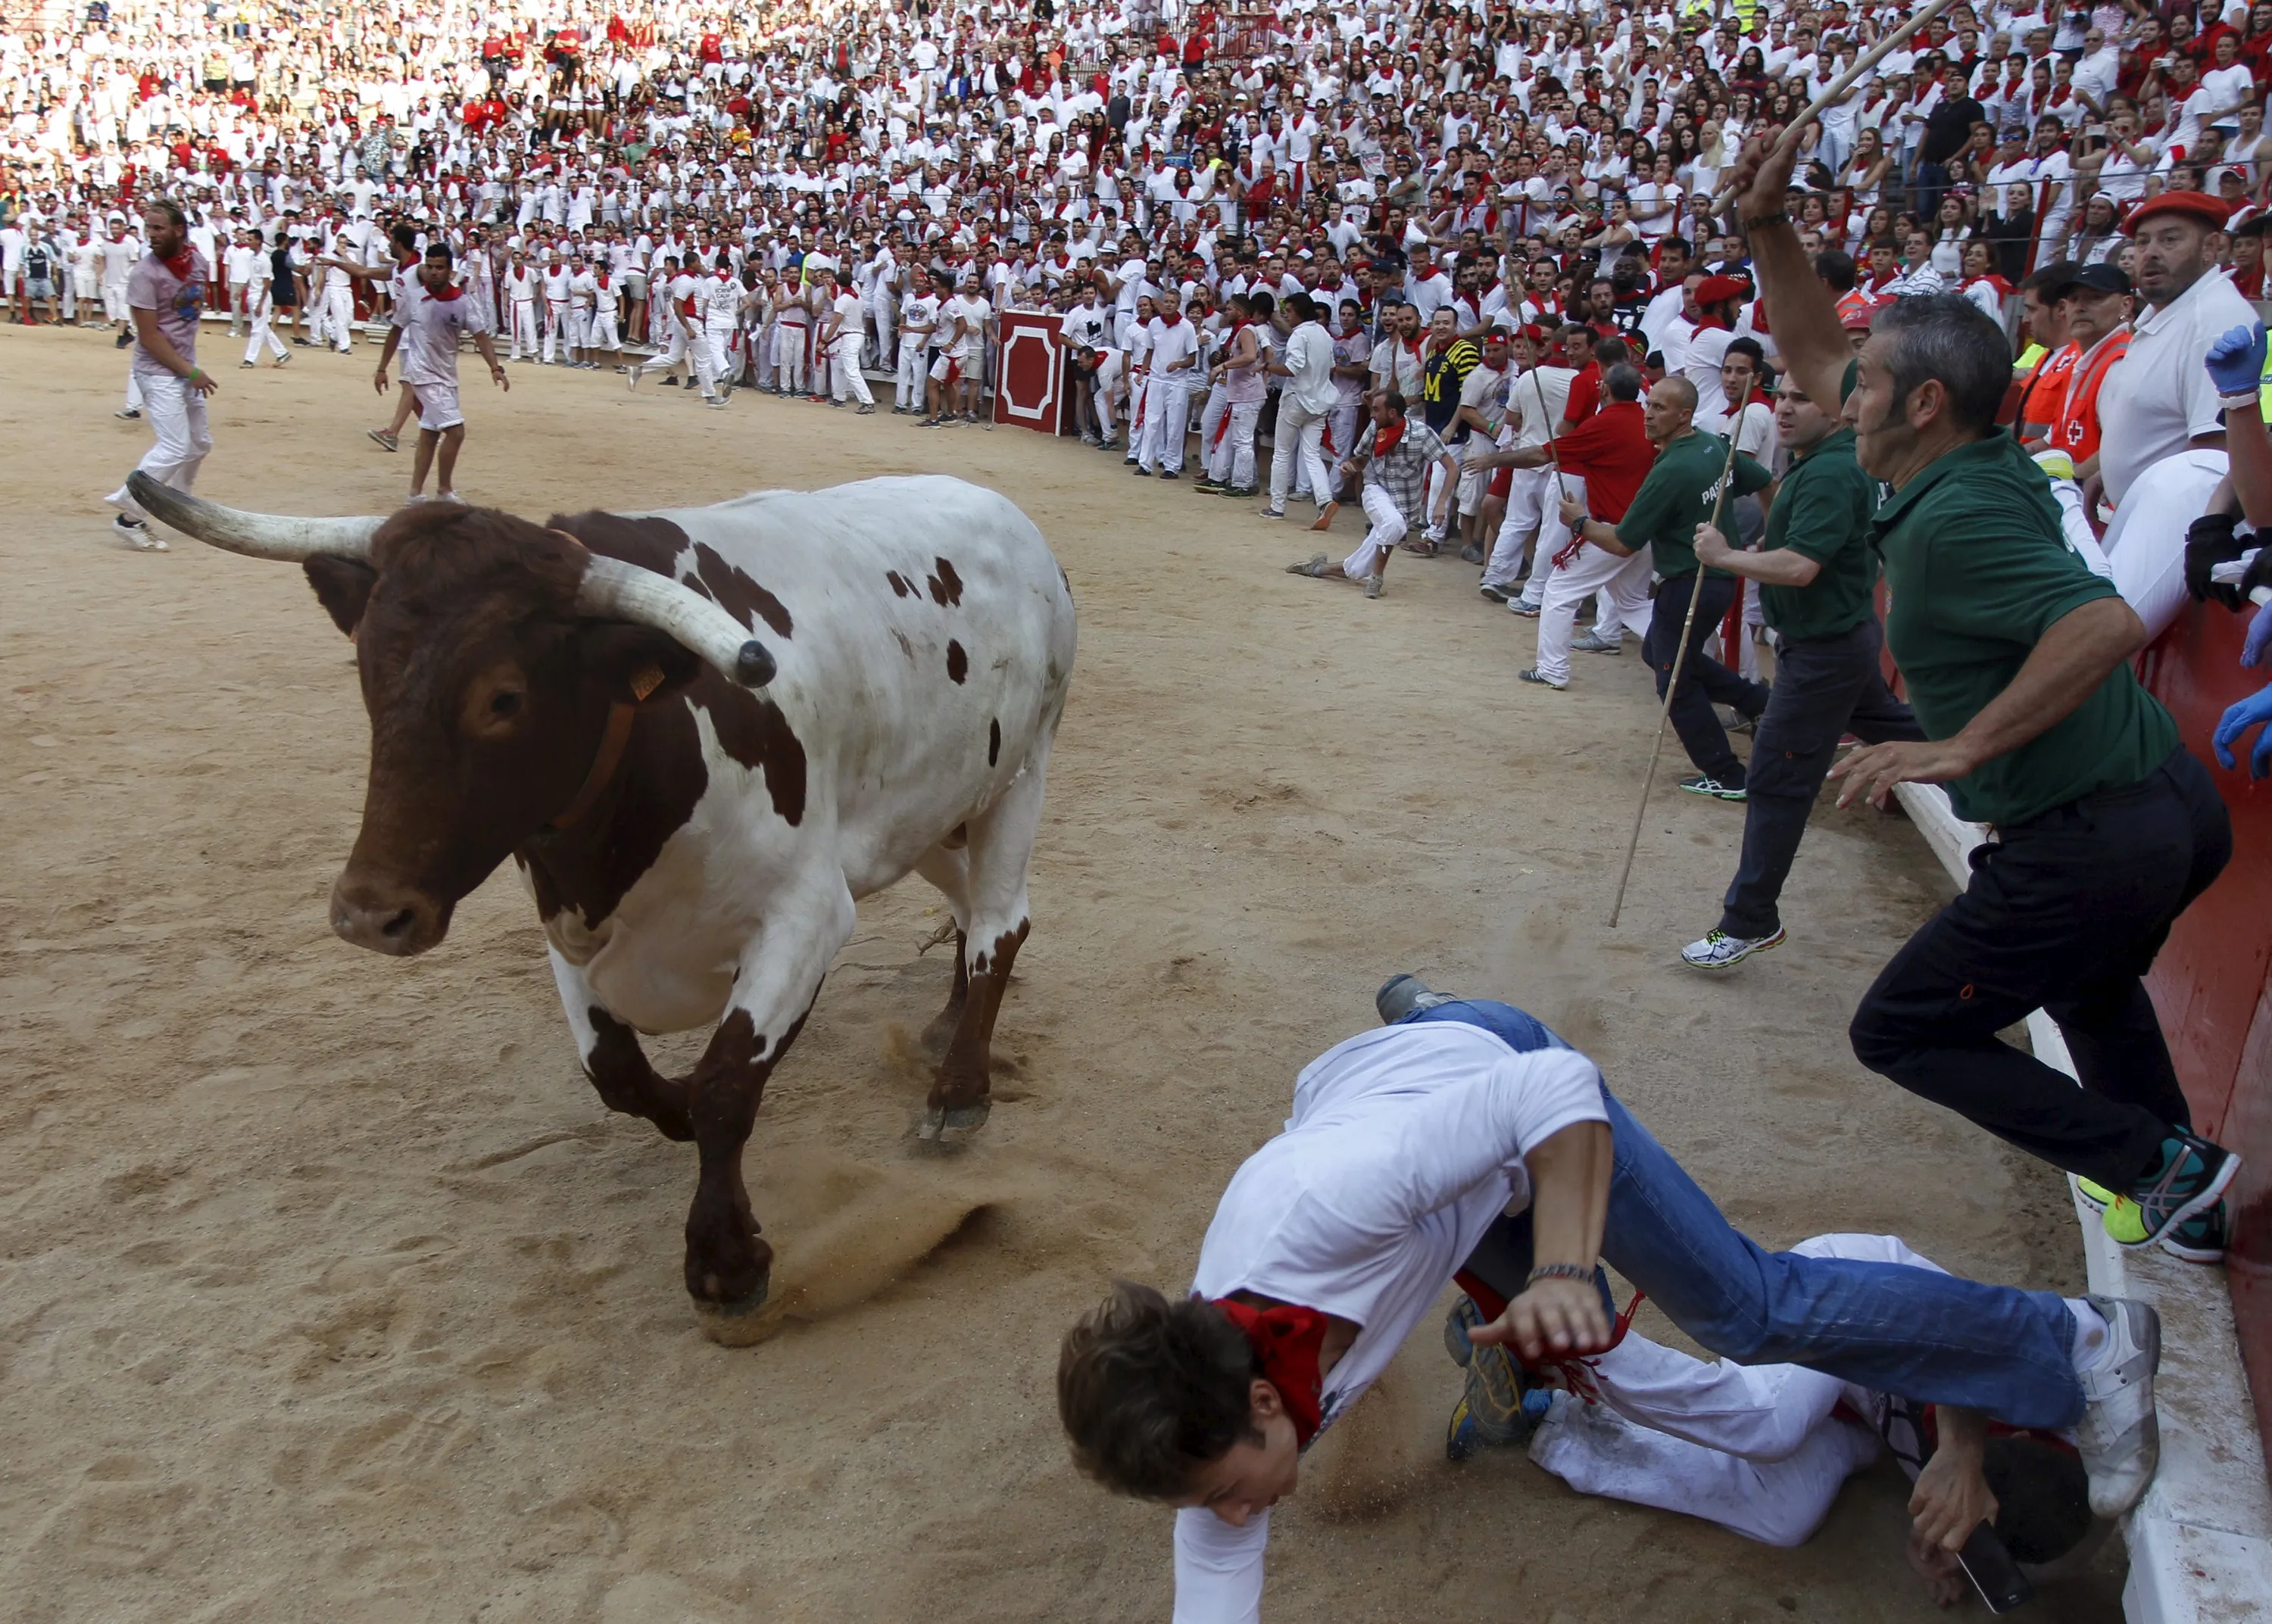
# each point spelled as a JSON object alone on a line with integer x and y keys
{"x": 1845, "y": 82}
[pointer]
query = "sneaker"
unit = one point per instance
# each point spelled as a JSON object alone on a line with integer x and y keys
{"x": 1529, "y": 674}
{"x": 2098, "y": 1197}
{"x": 1269, "y": 512}
{"x": 2193, "y": 1175}
{"x": 285, "y": 359}
{"x": 128, "y": 413}
{"x": 1372, "y": 583}
{"x": 1239, "y": 493}
{"x": 1110, "y": 443}
{"x": 1593, "y": 642}
{"x": 632, "y": 378}
{"x": 1471, "y": 555}
{"x": 1315, "y": 567}
{"x": 124, "y": 339}
{"x": 1705, "y": 784}
{"x": 1497, "y": 594}
{"x": 1206, "y": 485}
{"x": 1493, "y": 1410}
{"x": 1529, "y": 611}
{"x": 2199, "y": 1238}
{"x": 137, "y": 533}
{"x": 669, "y": 383}
{"x": 385, "y": 441}
{"x": 1400, "y": 995}
{"x": 866, "y": 411}
{"x": 244, "y": 366}
{"x": 1169, "y": 473}
{"x": 1719, "y": 951}
{"x": 1143, "y": 472}
{"x": 2119, "y": 1437}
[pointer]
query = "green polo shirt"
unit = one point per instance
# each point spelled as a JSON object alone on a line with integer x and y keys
{"x": 1822, "y": 511}
{"x": 1977, "y": 569}
{"x": 1677, "y": 497}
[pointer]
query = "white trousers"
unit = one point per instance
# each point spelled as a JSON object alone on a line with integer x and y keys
{"x": 603, "y": 335}
{"x": 909, "y": 384}
{"x": 2146, "y": 539}
{"x": 1553, "y": 534}
{"x": 559, "y": 332}
{"x": 849, "y": 380}
{"x": 1623, "y": 586}
{"x": 114, "y": 301}
{"x": 1386, "y": 528}
{"x": 1167, "y": 401}
{"x": 1230, "y": 460}
{"x": 885, "y": 322}
{"x": 524, "y": 327}
{"x": 261, "y": 331}
{"x": 177, "y": 415}
{"x": 1212, "y": 411}
{"x": 1297, "y": 448}
{"x": 336, "y": 315}
{"x": 710, "y": 358}
{"x": 674, "y": 351}
{"x": 1530, "y": 494}
{"x": 1759, "y": 1450}
{"x": 789, "y": 357}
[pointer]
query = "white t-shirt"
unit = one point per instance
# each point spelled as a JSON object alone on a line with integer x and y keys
{"x": 431, "y": 326}
{"x": 1180, "y": 342}
{"x": 2159, "y": 395}
{"x": 973, "y": 312}
{"x": 1405, "y": 1144}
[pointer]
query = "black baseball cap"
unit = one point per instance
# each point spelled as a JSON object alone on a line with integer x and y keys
{"x": 2102, "y": 278}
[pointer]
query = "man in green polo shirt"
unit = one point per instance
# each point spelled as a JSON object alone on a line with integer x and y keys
{"x": 1676, "y": 499}
{"x": 2017, "y": 661}
{"x": 1815, "y": 573}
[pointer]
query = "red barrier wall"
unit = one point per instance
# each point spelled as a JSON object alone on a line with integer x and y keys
{"x": 2211, "y": 982}
{"x": 1029, "y": 372}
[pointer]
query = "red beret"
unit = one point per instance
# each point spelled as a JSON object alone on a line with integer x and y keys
{"x": 2198, "y": 205}
{"x": 1533, "y": 332}
{"x": 1859, "y": 318}
{"x": 1720, "y": 289}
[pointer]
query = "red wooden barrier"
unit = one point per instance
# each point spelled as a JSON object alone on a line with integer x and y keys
{"x": 2210, "y": 983}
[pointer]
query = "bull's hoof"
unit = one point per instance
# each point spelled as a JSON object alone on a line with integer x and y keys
{"x": 953, "y": 1124}
{"x": 740, "y": 1323}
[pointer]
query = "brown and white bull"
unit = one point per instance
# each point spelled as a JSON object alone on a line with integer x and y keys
{"x": 702, "y": 733}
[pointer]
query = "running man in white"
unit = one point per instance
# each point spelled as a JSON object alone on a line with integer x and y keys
{"x": 166, "y": 295}
{"x": 431, "y": 312}
{"x": 1407, "y": 1148}
{"x": 260, "y": 309}
{"x": 667, "y": 292}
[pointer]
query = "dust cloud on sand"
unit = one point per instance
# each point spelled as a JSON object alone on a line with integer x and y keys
{"x": 328, "y": 1290}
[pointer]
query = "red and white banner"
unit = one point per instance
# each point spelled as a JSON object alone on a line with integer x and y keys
{"x": 1029, "y": 370}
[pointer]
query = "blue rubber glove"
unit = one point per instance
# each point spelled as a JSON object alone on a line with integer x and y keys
{"x": 2260, "y": 636}
{"x": 2235, "y": 359}
{"x": 2253, "y": 711}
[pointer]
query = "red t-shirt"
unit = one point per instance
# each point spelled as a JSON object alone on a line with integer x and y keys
{"x": 1612, "y": 451}
{"x": 1585, "y": 396}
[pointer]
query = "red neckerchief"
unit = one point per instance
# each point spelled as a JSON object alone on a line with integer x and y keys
{"x": 447, "y": 293}
{"x": 1287, "y": 1341}
{"x": 1384, "y": 440}
{"x": 181, "y": 264}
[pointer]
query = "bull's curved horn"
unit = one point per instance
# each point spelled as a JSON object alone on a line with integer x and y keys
{"x": 255, "y": 535}
{"x": 624, "y": 591}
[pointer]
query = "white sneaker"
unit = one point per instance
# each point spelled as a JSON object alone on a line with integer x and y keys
{"x": 2119, "y": 1437}
{"x": 1719, "y": 951}
{"x": 137, "y": 533}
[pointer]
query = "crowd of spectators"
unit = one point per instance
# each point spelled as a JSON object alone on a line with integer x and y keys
{"x": 1458, "y": 194}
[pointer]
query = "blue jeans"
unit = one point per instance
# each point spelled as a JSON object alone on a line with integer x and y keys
{"x": 1927, "y": 1337}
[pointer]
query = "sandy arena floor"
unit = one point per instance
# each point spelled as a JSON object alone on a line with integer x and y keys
{"x": 328, "y": 1290}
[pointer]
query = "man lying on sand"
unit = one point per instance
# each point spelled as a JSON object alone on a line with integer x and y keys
{"x": 1405, "y": 1146}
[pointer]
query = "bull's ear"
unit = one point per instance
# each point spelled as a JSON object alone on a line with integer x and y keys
{"x": 638, "y": 664}
{"x": 342, "y": 586}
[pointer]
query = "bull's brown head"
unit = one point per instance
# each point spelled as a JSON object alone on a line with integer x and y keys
{"x": 493, "y": 655}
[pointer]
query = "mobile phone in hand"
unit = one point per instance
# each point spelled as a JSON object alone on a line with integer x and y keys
{"x": 1992, "y": 1571}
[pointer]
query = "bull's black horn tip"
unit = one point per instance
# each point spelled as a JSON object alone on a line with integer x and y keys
{"x": 753, "y": 667}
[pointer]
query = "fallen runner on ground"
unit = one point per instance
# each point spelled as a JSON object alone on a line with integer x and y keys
{"x": 1405, "y": 1146}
